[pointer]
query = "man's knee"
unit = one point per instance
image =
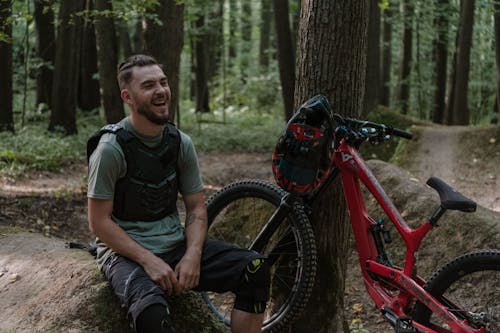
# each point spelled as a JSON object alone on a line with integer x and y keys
{"x": 253, "y": 292}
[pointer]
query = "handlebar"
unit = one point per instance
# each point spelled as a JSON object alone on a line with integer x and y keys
{"x": 368, "y": 130}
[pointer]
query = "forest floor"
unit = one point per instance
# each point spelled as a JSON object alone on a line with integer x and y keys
{"x": 55, "y": 204}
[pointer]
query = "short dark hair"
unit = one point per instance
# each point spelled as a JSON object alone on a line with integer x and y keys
{"x": 124, "y": 69}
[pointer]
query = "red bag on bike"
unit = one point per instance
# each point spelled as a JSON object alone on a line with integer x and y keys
{"x": 303, "y": 156}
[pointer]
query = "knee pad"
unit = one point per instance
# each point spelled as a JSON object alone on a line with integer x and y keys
{"x": 253, "y": 292}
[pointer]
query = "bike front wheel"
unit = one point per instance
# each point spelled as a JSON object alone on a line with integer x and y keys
{"x": 469, "y": 286}
{"x": 238, "y": 213}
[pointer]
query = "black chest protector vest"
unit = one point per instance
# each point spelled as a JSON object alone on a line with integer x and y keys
{"x": 148, "y": 191}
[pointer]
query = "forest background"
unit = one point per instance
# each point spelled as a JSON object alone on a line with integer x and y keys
{"x": 231, "y": 65}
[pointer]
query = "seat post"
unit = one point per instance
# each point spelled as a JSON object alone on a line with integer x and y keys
{"x": 437, "y": 215}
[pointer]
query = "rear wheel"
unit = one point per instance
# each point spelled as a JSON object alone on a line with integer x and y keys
{"x": 237, "y": 214}
{"x": 470, "y": 287}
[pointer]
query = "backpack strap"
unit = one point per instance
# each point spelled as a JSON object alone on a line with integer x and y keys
{"x": 93, "y": 141}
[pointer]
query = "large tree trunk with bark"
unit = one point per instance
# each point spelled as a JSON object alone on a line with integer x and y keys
{"x": 46, "y": 50}
{"x": 107, "y": 55}
{"x": 460, "y": 108}
{"x": 6, "y": 92}
{"x": 65, "y": 85}
{"x": 440, "y": 60}
{"x": 372, "y": 59}
{"x": 334, "y": 67}
{"x": 286, "y": 56}
{"x": 165, "y": 44}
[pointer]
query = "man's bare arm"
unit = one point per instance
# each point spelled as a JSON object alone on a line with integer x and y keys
{"x": 101, "y": 225}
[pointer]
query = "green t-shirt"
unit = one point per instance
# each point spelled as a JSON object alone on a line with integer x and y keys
{"x": 107, "y": 164}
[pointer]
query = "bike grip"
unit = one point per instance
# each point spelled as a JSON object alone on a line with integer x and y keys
{"x": 401, "y": 133}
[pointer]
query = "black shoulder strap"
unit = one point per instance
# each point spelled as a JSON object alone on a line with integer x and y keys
{"x": 93, "y": 141}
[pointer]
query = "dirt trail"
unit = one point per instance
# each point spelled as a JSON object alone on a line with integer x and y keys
{"x": 471, "y": 167}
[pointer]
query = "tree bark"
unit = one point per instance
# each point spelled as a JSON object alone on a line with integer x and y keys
{"x": 385, "y": 90}
{"x": 334, "y": 67}
{"x": 88, "y": 91}
{"x": 6, "y": 92}
{"x": 214, "y": 40}
{"x": 125, "y": 42}
{"x": 440, "y": 60}
{"x": 246, "y": 38}
{"x": 286, "y": 56}
{"x": 233, "y": 28}
{"x": 406, "y": 60}
{"x": 46, "y": 50}
{"x": 138, "y": 38}
{"x": 199, "y": 61}
{"x": 107, "y": 55}
{"x": 65, "y": 85}
{"x": 165, "y": 44}
{"x": 372, "y": 59}
{"x": 460, "y": 108}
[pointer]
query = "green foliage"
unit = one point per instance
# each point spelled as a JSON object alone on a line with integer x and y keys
{"x": 34, "y": 148}
{"x": 237, "y": 128}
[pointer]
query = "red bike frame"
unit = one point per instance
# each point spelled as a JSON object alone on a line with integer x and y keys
{"x": 377, "y": 277}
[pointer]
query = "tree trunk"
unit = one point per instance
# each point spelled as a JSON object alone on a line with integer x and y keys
{"x": 139, "y": 36}
{"x": 440, "y": 59}
{"x": 372, "y": 59}
{"x": 405, "y": 70}
{"x": 497, "y": 54}
{"x": 46, "y": 50}
{"x": 125, "y": 41}
{"x": 286, "y": 56}
{"x": 6, "y": 92}
{"x": 65, "y": 85}
{"x": 165, "y": 44}
{"x": 233, "y": 28}
{"x": 385, "y": 90}
{"x": 334, "y": 67}
{"x": 200, "y": 65}
{"x": 460, "y": 109}
{"x": 265, "y": 33}
{"x": 107, "y": 54}
{"x": 214, "y": 40}
{"x": 88, "y": 91}
{"x": 246, "y": 38}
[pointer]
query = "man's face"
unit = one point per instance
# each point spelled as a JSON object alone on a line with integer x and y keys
{"x": 150, "y": 93}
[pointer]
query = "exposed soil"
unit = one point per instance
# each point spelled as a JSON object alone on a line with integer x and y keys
{"x": 55, "y": 203}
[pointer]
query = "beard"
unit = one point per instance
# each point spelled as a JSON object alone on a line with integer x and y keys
{"x": 153, "y": 117}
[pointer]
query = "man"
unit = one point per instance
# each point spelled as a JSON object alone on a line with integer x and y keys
{"x": 135, "y": 172}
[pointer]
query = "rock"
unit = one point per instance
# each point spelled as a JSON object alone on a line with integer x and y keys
{"x": 57, "y": 289}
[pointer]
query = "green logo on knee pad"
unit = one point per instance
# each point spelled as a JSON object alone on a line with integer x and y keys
{"x": 254, "y": 265}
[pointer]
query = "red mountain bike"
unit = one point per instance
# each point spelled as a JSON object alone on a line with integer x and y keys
{"x": 261, "y": 216}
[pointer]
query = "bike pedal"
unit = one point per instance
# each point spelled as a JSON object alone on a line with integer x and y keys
{"x": 404, "y": 325}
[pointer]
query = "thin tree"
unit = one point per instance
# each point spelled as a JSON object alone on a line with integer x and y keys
{"x": 88, "y": 90}
{"x": 497, "y": 54}
{"x": 265, "y": 33}
{"x": 246, "y": 38}
{"x": 440, "y": 53}
{"x": 200, "y": 64}
{"x": 406, "y": 60}
{"x": 372, "y": 59}
{"x": 164, "y": 42}
{"x": 107, "y": 55}
{"x": 46, "y": 50}
{"x": 334, "y": 67}
{"x": 6, "y": 92}
{"x": 65, "y": 85}
{"x": 233, "y": 28}
{"x": 286, "y": 56}
{"x": 385, "y": 90}
{"x": 460, "y": 109}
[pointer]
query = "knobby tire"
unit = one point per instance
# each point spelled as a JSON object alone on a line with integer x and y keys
{"x": 236, "y": 213}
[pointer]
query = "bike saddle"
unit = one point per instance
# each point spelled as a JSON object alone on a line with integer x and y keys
{"x": 450, "y": 198}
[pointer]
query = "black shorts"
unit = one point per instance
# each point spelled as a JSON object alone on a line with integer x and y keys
{"x": 221, "y": 268}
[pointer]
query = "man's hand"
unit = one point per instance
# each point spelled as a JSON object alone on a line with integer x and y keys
{"x": 188, "y": 271}
{"x": 161, "y": 273}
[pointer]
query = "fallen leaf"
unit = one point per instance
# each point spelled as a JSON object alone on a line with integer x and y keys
{"x": 357, "y": 307}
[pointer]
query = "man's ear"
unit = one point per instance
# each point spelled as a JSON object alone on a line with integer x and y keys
{"x": 125, "y": 94}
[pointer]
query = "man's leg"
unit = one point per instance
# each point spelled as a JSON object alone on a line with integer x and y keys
{"x": 144, "y": 299}
{"x": 246, "y": 322}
